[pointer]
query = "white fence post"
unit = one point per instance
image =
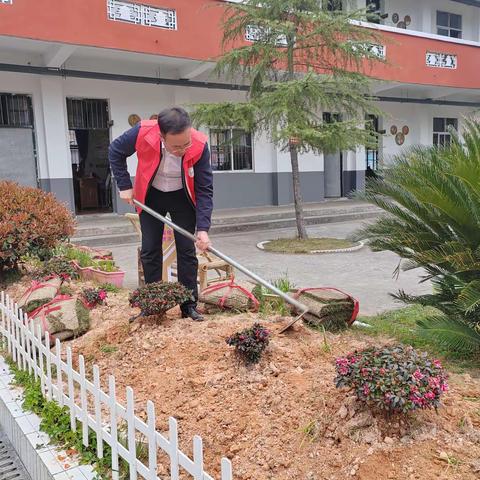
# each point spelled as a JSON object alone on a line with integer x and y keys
{"x": 198, "y": 457}
{"x": 173, "y": 438}
{"x": 83, "y": 400}
{"x": 132, "y": 444}
{"x": 98, "y": 410}
{"x": 58, "y": 355}
{"x": 113, "y": 426}
{"x": 152, "y": 441}
{"x": 227, "y": 473}
{"x": 71, "y": 391}
{"x": 49, "y": 366}
{"x": 27, "y": 337}
{"x": 40, "y": 354}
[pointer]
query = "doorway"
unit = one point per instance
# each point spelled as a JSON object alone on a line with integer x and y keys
{"x": 332, "y": 165}
{"x": 89, "y": 134}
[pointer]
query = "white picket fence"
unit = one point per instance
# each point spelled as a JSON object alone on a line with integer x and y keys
{"x": 31, "y": 353}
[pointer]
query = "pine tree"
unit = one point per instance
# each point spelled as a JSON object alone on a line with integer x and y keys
{"x": 308, "y": 57}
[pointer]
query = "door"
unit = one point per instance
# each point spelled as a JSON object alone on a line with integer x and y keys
{"x": 333, "y": 175}
{"x": 17, "y": 146}
{"x": 89, "y": 130}
{"x": 333, "y": 165}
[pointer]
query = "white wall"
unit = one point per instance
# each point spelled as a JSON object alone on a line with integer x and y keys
{"x": 424, "y": 15}
{"x": 419, "y": 119}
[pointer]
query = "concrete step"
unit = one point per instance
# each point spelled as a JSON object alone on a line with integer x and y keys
{"x": 124, "y": 237}
{"x": 107, "y": 240}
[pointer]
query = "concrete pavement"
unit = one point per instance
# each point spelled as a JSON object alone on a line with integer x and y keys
{"x": 365, "y": 274}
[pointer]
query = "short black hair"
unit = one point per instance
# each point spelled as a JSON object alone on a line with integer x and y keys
{"x": 173, "y": 120}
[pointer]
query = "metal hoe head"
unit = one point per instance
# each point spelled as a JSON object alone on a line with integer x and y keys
{"x": 292, "y": 322}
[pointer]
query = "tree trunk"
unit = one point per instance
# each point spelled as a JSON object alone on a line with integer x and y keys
{"x": 297, "y": 194}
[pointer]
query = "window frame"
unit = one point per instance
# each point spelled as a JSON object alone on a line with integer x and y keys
{"x": 231, "y": 145}
{"x": 445, "y": 134}
{"x": 448, "y": 28}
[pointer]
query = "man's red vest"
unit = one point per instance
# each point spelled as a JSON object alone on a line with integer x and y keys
{"x": 148, "y": 149}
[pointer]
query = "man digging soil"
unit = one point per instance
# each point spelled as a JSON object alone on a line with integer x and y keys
{"x": 173, "y": 176}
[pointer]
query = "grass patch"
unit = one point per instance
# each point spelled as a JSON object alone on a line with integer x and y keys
{"x": 295, "y": 245}
{"x": 106, "y": 348}
{"x": 109, "y": 287}
{"x": 401, "y": 324}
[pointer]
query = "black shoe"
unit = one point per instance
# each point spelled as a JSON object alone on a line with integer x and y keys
{"x": 191, "y": 312}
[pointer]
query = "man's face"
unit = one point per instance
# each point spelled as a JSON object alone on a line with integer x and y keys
{"x": 177, "y": 143}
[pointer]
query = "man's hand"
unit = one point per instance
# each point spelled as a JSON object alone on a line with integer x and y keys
{"x": 127, "y": 195}
{"x": 203, "y": 242}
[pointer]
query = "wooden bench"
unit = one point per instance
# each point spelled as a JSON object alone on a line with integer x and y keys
{"x": 207, "y": 262}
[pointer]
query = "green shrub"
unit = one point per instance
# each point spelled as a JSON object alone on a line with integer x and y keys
{"x": 31, "y": 222}
{"x": 159, "y": 297}
{"x": 396, "y": 379}
{"x": 59, "y": 266}
{"x": 432, "y": 200}
{"x": 250, "y": 343}
{"x": 105, "y": 265}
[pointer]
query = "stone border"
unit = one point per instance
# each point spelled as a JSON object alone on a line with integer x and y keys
{"x": 261, "y": 246}
{"x": 42, "y": 460}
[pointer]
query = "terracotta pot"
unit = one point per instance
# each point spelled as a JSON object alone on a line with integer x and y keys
{"x": 85, "y": 273}
{"x": 115, "y": 278}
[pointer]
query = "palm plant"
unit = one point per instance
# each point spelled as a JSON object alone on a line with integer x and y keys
{"x": 432, "y": 199}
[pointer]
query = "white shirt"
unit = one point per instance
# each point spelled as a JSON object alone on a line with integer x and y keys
{"x": 169, "y": 173}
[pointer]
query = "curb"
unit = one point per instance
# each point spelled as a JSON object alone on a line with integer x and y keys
{"x": 261, "y": 246}
{"x": 41, "y": 460}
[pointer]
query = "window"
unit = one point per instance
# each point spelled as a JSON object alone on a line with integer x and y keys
{"x": 231, "y": 149}
{"x": 441, "y": 134}
{"x": 371, "y": 152}
{"x": 15, "y": 110}
{"x": 373, "y": 11}
{"x": 334, "y": 5}
{"x": 449, "y": 24}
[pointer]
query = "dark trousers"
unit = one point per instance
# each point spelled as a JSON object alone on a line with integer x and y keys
{"x": 183, "y": 214}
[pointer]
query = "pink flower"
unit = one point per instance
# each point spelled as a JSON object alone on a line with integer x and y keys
{"x": 341, "y": 361}
{"x": 382, "y": 371}
{"x": 434, "y": 382}
{"x": 437, "y": 363}
{"x": 364, "y": 372}
{"x": 366, "y": 390}
{"x": 429, "y": 395}
{"x": 417, "y": 375}
{"x": 444, "y": 387}
{"x": 343, "y": 370}
{"x": 102, "y": 294}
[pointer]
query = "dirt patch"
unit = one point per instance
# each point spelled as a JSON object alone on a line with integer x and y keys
{"x": 283, "y": 418}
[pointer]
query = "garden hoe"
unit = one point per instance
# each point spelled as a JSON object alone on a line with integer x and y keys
{"x": 298, "y": 306}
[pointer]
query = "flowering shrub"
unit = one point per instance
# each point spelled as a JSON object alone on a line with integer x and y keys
{"x": 31, "y": 222}
{"x": 59, "y": 266}
{"x": 159, "y": 297}
{"x": 393, "y": 378}
{"x": 94, "y": 296}
{"x": 250, "y": 343}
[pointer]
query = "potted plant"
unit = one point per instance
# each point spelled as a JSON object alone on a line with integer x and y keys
{"x": 105, "y": 271}
{"x": 91, "y": 297}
